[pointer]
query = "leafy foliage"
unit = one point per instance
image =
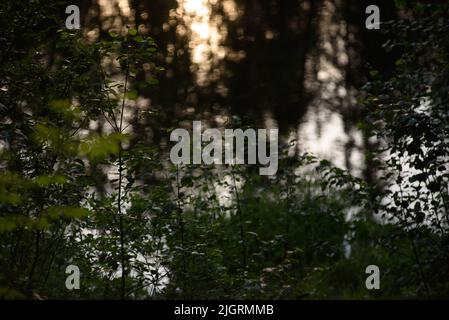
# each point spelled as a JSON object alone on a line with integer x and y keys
{"x": 77, "y": 187}
{"x": 409, "y": 116}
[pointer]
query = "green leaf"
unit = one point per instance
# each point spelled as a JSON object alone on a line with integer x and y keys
{"x": 152, "y": 81}
{"x": 113, "y": 34}
{"x": 139, "y": 39}
{"x": 67, "y": 211}
{"x": 131, "y": 95}
{"x": 45, "y": 180}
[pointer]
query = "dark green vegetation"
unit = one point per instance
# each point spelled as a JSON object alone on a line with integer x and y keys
{"x": 137, "y": 227}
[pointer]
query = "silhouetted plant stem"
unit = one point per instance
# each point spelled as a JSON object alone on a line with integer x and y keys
{"x": 119, "y": 198}
{"x": 181, "y": 224}
{"x": 412, "y": 243}
{"x": 35, "y": 259}
{"x": 240, "y": 215}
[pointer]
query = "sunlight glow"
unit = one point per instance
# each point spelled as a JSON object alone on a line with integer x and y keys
{"x": 206, "y": 33}
{"x": 197, "y": 7}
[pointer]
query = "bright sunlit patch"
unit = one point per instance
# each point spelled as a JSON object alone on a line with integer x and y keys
{"x": 202, "y": 29}
{"x": 124, "y": 7}
{"x": 198, "y": 7}
{"x": 111, "y": 18}
{"x": 230, "y": 9}
{"x": 205, "y": 35}
{"x": 199, "y": 53}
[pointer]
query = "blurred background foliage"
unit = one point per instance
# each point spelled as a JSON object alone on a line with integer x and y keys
{"x": 85, "y": 175}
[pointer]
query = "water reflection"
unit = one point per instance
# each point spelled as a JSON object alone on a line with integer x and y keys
{"x": 288, "y": 64}
{"x": 206, "y": 34}
{"x": 322, "y": 130}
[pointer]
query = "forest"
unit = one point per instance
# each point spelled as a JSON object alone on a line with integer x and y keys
{"x": 92, "y": 205}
